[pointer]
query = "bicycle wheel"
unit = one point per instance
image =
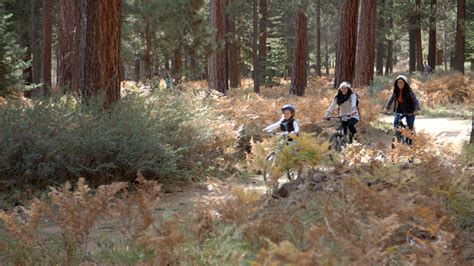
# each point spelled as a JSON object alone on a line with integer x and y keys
{"x": 292, "y": 174}
{"x": 267, "y": 166}
{"x": 336, "y": 142}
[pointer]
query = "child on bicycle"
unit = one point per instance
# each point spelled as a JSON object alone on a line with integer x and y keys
{"x": 405, "y": 103}
{"x": 346, "y": 99}
{"x": 287, "y": 123}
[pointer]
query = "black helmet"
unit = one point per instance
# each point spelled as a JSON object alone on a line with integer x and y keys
{"x": 289, "y": 107}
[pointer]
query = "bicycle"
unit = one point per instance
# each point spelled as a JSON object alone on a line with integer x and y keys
{"x": 338, "y": 140}
{"x": 398, "y": 136}
{"x": 270, "y": 162}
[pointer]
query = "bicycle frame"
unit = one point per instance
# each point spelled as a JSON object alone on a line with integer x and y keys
{"x": 397, "y": 136}
{"x": 338, "y": 140}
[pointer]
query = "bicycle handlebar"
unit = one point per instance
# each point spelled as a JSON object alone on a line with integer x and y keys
{"x": 338, "y": 117}
{"x": 399, "y": 114}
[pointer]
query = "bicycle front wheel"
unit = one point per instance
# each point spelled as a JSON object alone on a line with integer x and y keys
{"x": 337, "y": 142}
{"x": 267, "y": 166}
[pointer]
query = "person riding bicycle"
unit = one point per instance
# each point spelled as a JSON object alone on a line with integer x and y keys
{"x": 405, "y": 103}
{"x": 287, "y": 124}
{"x": 346, "y": 99}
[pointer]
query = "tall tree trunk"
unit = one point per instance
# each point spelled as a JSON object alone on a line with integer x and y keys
{"x": 137, "y": 68}
{"x": 380, "y": 57}
{"x": 412, "y": 50}
{"x": 460, "y": 36}
{"x": 100, "y": 49}
{"x": 380, "y": 39}
{"x": 227, "y": 43}
{"x": 256, "y": 67}
{"x": 432, "y": 35}
{"x": 389, "y": 63}
{"x": 318, "y": 38}
{"x": 47, "y": 43}
{"x": 364, "y": 72}
{"x": 147, "y": 56}
{"x": 417, "y": 31}
{"x": 472, "y": 131}
{"x": 69, "y": 44}
{"x": 216, "y": 63}
{"x": 346, "y": 46}
{"x": 262, "y": 41}
{"x": 35, "y": 39}
{"x": 326, "y": 49}
{"x": 233, "y": 56}
{"x": 177, "y": 65}
{"x": 299, "y": 72}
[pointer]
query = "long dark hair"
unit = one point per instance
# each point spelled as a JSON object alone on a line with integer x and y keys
{"x": 341, "y": 98}
{"x": 406, "y": 93}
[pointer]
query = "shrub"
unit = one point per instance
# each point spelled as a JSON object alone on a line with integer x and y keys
{"x": 48, "y": 141}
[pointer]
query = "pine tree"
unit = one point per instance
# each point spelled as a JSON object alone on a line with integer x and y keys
{"x": 12, "y": 64}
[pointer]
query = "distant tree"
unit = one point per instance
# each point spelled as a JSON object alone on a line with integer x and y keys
{"x": 299, "y": 72}
{"x": 47, "y": 44}
{"x": 69, "y": 44}
{"x": 318, "y": 38}
{"x": 432, "y": 35}
{"x": 262, "y": 38}
{"x": 216, "y": 62}
{"x": 460, "y": 36}
{"x": 256, "y": 66}
{"x": 12, "y": 64}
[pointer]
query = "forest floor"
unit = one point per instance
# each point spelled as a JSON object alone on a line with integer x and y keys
{"x": 182, "y": 199}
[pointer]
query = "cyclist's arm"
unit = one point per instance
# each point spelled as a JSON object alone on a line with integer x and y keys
{"x": 296, "y": 127}
{"x": 272, "y": 127}
{"x": 415, "y": 101}
{"x": 389, "y": 102}
{"x": 354, "y": 102}
{"x": 331, "y": 107}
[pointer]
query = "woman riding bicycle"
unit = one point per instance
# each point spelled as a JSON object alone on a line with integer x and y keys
{"x": 346, "y": 99}
{"x": 405, "y": 103}
{"x": 287, "y": 123}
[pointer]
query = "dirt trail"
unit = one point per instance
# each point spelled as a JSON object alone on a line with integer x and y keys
{"x": 445, "y": 130}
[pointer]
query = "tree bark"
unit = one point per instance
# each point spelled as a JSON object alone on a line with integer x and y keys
{"x": 460, "y": 36}
{"x": 380, "y": 39}
{"x": 318, "y": 38}
{"x": 147, "y": 56}
{"x": 256, "y": 67}
{"x": 100, "y": 49}
{"x": 262, "y": 42}
{"x": 299, "y": 70}
{"x": 364, "y": 72}
{"x": 69, "y": 44}
{"x": 472, "y": 131}
{"x": 432, "y": 35}
{"x": 47, "y": 43}
{"x": 177, "y": 65}
{"x": 233, "y": 56}
{"x": 389, "y": 63}
{"x": 417, "y": 31}
{"x": 346, "y": 47}
{"x": 216, "y": 62}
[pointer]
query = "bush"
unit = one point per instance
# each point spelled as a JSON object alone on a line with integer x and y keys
{"x": 48, "y": 141}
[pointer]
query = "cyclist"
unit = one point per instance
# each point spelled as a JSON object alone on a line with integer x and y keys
{"x": 346, "y": 99}
{"x": 405, "y": 103}
{"x": 287, "y": 123}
